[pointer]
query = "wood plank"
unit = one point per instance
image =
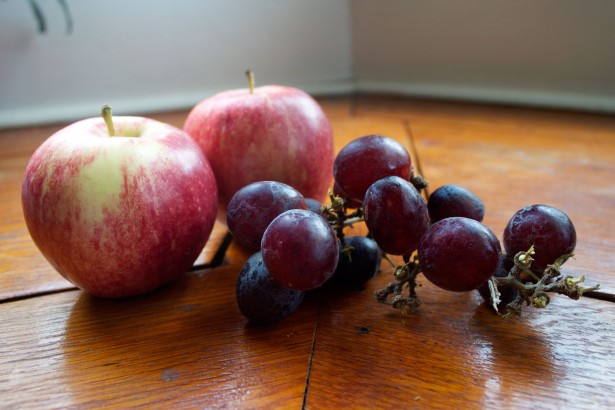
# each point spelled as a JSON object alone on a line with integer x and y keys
{"x": 187, "y": 345}
{"x": 454, "y": 352}
{"x": 183, "y": 346}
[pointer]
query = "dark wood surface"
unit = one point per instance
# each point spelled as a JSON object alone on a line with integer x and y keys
{"x": 186, "y": 345}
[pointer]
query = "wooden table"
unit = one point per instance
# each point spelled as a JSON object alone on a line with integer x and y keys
{"x": 187, "y": 345}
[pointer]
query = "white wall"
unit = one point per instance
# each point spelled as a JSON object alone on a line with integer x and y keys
{"x": 558, "y": 53}
{"x": 148, "y": 55}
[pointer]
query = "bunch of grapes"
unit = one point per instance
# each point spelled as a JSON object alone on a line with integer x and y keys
{"x": 299, "y": 244}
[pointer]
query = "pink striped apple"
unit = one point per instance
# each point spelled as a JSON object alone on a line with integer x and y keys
{"x": 269, "y": 133}
{"x": 121, "y": 208}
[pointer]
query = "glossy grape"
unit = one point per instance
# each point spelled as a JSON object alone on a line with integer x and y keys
{"x": 459, "y": 254}
{"x": 454, "y": 200}
{"x": 348, "y": 201}
{"x": 396, "y": 215}
{"x": 254, "y": 206}
{"x": 508, "y": 293}
{"x": 547, "y": 228}
{"x": 363, "y": 264}
{"x": 300, "y": 249}
{"x": 261, "y": 298}
{"x": 365, "y": 160}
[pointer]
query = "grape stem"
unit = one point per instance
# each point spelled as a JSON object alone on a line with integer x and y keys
{"x": 536, "y": 293}
{"x": 335, "y": 214}
{"x": 348, "y": 221}
{"x": 419, "y": 182}
{"x": 405, "y": 276}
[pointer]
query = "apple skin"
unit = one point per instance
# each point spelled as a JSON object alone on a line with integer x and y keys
{"x": 276, "y": 133}
{"x": 119, "y": 216}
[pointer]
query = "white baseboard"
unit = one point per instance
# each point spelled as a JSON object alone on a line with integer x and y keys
{"x": 143, "y": 105}
{"x": 528, "y": 98}
{"x": 140, "y": 105}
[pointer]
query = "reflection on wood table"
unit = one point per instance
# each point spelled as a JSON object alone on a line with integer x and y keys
{"x": 186, "y": 345}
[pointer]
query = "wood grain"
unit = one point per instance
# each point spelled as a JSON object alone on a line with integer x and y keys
{"x": 455, "y": 353}
{"x": 183, "y": 346}
{"x": 186, "y": 345}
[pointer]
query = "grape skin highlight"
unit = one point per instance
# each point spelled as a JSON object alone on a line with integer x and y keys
{"x": 365, "y": 160}
{"x": 300, "y": 249}
{"x": 547, "y": 228}
{"x": 459, "y": 254}
{"x": 254, "y": 206}
{"x": 396, "y": 215}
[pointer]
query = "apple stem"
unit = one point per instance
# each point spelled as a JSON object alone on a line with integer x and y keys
{"x": 250, "y": 75}
{"x": 105, "y": 111}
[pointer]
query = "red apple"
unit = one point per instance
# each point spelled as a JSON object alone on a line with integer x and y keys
{"x": 269, "y": 133}
{"x": 119, "y": 215}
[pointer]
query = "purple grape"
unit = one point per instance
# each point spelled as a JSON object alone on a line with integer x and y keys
{"x": 261, "y": 298}
{"x": 314, "y": 205}
{"x": 254, "y": 206}
{"x": 365, "y": 160}
{"x": 547, "y": 228}
{"x": 454, "y": 200}
{"x": 459, "y": 254}
{"x": 364, "y": 262}
{"x": 300, "y": 249}
{"x": 396, "y": 215}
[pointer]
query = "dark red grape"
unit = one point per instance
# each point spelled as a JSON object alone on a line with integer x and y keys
{"x": 396, "y": 215}
{"x": 454, "y": 200}
{"x": 365, "y": 160}
{"x": 300, "y": 249}
{"x": 459, "y": 254}
{"x": 547, "y": 228}
{"x": 508, "y": 293}
{"x": 348, "y": 202}
{"x": 254, "y": 206}
{"x": 261, "y": 298}
{"x": 363, "y": 264}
